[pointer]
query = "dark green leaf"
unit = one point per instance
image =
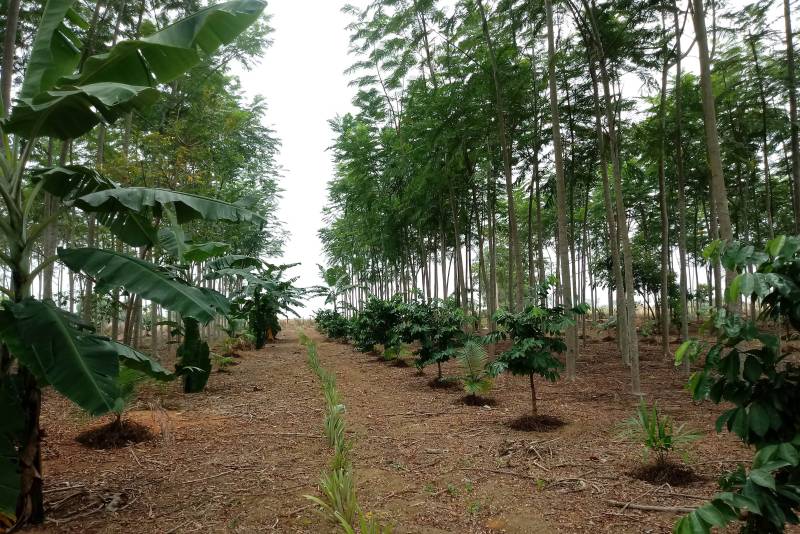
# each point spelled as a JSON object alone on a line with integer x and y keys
{"x": 114, "y": 269}
{"x": 80, "y": 365}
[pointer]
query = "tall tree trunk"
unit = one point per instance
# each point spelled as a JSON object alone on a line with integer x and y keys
{"x": 719, "y": 194}
{"x": 623, "y": 339}
{"x": 515, "y": 296}
{"x": 792, "y": 88}
{"x": 764, "y": 148}
{"x": 681, "y": 175}
{"x": 9, "y": 52}
{"x": 662, "y": 186}
{"x": 561, "y": 200}
{"x": 622, "y": 226}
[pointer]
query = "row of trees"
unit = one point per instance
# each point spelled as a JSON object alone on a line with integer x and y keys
{"x": 143, "y": 204}
{"x": 498, "y": 143}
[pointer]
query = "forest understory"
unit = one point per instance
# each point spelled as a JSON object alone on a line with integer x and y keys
{"x": 241, "y": 456}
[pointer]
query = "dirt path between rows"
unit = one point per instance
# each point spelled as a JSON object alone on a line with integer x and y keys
{"x": 241, "y": 456}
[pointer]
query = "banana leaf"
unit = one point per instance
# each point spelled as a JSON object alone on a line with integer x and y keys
{"x": 68, "y": 112}
{"x": 113, "y": 269}
{"x": 187, "y": 206}
{"x": 58, "y": 349}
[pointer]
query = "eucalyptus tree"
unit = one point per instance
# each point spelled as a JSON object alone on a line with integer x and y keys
{"x": 64, "y": 95}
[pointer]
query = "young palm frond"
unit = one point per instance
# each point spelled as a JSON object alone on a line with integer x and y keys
{"x": 657, "y": 432}
{"x": 473, "y": 360}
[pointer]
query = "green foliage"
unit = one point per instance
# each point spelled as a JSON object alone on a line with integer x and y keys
{"x": 113, "y": 269}
{"x": 332, "y": 324}
{"x": 438, "y": 327}
{"x": 537, "y": 337}
{"x": 79, "y": 364}
{"x": 475, "y": 376}
{"x": 746, "y": 368}
{"x": 263, "y": 298}
{"x": 339, "y": 500}
{"x": 57, "y": 101}
{"x": 55, "y": 104}
{"x": 657, "y": 432}
{"x": 222, "y": 362}
{"x": 194, "y": 362}
{"x": 376, "y": 324}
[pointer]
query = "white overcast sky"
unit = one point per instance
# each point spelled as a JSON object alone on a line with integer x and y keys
{"x": 302, "y": 77}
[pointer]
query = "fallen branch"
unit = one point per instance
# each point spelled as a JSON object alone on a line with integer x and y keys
{"x": 499, "y": 472}
{"x": 653, "y": 508}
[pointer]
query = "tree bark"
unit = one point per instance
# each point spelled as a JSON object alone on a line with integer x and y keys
{"x": 9, "y": 52}
{"x": 662, "y": 186}
{"x": 792, "y": 88}
{"x": 719, "y": 194}
{"x": 561, "y": 200}
{"x": 516, "y": 291}
{"x": 681, "y": 176}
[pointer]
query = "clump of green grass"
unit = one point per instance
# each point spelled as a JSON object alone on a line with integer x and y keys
{"x": 339, "y": 500}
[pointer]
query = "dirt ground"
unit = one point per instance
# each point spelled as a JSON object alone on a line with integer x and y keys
{"x": 241, "y": 456}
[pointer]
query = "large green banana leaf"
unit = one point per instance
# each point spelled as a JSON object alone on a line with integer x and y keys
{"x": 187, "y": 206}
{"x": 69, "y": 182}
{"x": 68, "y": 112}
{"x": 174, "y": 241}
{"x": 167, "y": 54}
{"x": 137, "y": 361}
{"x": 114, "y": 269}
{"x": 57, "y": 348}
{"x": 11, "y": 428}
{"x": 233, "y": 261}
{"x": 55, "y": 52}
{"x": 111, "y": 84}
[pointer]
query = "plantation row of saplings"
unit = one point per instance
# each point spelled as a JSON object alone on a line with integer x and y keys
{"x": 67, "y": 93}
{"x": 745, "y": 367}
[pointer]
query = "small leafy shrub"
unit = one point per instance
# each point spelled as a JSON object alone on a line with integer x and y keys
{"x": 657, "y": 433}
{"x": 537, "y": 335}
{"x": 377, "y": 324}
{"x": 438, "y": 327}
{"x": 332, "y": 324}
{"x": 745, "y": 367}
{"x": 222, "y": 362}
{"x": 647, "y": 328}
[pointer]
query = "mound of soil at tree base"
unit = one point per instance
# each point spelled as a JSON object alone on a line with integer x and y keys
{"x": 665, "y": 473}
{"x": 476, "y": 400}
{"x": 115, "y": 436}
{"x": 400, "y": 362}
{"x": 536, "y": 423}
{"x": 444, "y": 383}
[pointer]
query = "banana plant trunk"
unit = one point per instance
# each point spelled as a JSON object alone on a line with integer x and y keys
{"x": 30, "y": 503}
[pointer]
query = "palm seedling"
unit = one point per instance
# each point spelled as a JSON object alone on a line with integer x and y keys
{"x": 657, "y": 433}
{"x": 475, "y": 375}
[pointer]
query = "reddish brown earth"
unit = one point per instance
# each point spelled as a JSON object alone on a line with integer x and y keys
{"x": 241, "y": 456}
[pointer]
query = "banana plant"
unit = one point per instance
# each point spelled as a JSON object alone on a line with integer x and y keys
{"x": 63, "y": 97}
{"x": 264, "y": 296}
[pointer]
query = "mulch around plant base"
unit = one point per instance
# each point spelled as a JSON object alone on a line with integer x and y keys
{"x": 114, "y": 436}
{"x": 536, "y": 423}
{"x": 241, "y": 456}
{"x": 669, "y": 472}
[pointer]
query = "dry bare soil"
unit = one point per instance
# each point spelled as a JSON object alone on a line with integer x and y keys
{"x": 241, "y": 456}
